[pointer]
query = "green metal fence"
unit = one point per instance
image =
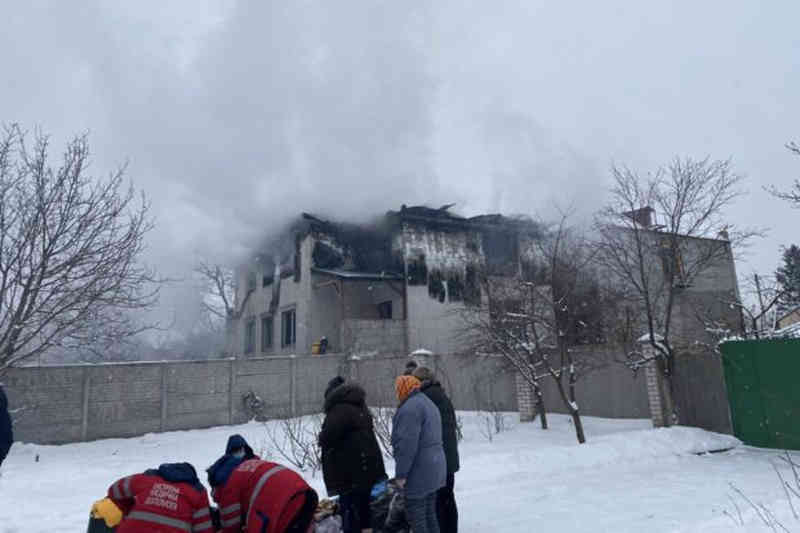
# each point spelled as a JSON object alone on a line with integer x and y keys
{"x": 763, "y": 382}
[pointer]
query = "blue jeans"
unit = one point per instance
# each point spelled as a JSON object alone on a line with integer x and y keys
{"x": 421, "y": 513}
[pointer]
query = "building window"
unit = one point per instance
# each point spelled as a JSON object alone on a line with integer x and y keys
{"x": 288, "y": 328}
{"x": 266, "y": 333}
{"x": 385, "y": 310}
{"x": 250, "y": 336}
{"x": 251, "y": 281}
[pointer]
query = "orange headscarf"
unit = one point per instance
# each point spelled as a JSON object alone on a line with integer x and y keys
{"x": 404, "y": 385}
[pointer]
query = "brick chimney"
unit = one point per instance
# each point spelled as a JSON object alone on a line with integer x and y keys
{"x": 643, "y": 216}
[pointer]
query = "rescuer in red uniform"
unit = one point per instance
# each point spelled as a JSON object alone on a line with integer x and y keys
{"x": 169, "y": 499}
{"x": 259, "y": 496}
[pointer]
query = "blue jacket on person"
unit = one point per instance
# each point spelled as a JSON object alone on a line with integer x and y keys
{"x": 417, "y": 444}
{"x": 6, "y": 433}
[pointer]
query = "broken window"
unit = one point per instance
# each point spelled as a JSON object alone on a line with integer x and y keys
{"x": 472, "y": 287}
{"x": 385, "y": 310}
{"x": 297, "y": 258}
{"x": 455, "y": 287}
{"x": 288, "y": 328}
{"x": 250, "y": 336}
{"x": 266, "y": 333}
{"x": 325, "y": 256}
{"x": 436, "y": 287}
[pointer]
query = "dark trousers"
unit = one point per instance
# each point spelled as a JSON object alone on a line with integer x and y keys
{"x": 446, "y": 510}
{"x": 421, "y": 514}
{"x": 355, "y": 510}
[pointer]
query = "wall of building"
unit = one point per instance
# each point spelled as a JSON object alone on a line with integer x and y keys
{"x": 293, "y": 295}
{"x": 361, "y": 298}
{"x": 432, "y": 324}
{"x": 326, "y": 317}
{"x": 708, "y": 298}
{"x": 362, "y": 336}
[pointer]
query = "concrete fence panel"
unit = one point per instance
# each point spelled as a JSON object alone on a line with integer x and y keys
{"x": 84, "y": 402}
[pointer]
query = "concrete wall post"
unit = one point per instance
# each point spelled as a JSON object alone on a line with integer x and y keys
{"x": 526, "y": 402}
{"x": 653, "y": 386}
{"x": 85, "y": 407}
{"x": 231, "y": 383}
{"x": 163, "y": 396}
{"x": 293, "y": 384}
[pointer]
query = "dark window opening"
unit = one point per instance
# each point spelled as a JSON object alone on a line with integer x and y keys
{"x": 266, "y": 333}
{"x": 417, "y": 270}
{"x": 455, "y": 287}
{"x": 297, "y": 258}
{"x": 250, "y": 336}
{"x": 472, "y": 287}
{"x": 325, "y": 256}
{"x": 385, "y": 310}
{"x": 436, "y": 288}
{"x": 288, "y": 328}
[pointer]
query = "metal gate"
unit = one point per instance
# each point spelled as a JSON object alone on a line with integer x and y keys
{"x": 763, "y": 382}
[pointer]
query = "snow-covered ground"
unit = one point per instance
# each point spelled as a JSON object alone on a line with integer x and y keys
{"x": 626, "y": 478}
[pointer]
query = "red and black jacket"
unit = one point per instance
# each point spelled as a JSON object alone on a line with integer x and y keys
{"x": 260, "y": 496}
{"x": 167, "y": 500}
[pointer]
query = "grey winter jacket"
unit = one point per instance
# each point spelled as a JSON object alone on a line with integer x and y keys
{"x": 417, "y": 444}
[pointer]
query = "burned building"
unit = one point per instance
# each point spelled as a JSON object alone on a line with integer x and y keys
{"x": 392, "y": 286}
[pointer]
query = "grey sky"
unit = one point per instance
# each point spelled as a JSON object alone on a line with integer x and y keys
{"x": 236, "y": 115}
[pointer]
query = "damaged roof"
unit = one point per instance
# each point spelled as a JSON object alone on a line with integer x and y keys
{"x": 351, "y": 274}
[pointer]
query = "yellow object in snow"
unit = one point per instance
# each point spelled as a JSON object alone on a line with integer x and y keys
{"x": 108, "y": 511}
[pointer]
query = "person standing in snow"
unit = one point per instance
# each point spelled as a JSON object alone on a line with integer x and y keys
{"x": 410, "y": 367}
{"x": 256, "y": 496}
{"x": 169, "y": 499}
{"x": 446, "y": 510}
{"x": 420, "y": 464}
{"x": 352, "y": 462}
{"x": 6, "y": 431}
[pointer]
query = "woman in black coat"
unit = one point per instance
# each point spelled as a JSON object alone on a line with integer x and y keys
{"x": 446, "y": 509}
{"x": 352, "y": 462}
{"x": 6, "y": 433}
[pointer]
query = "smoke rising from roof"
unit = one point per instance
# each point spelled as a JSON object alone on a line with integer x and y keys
{"x": 236, "y": 117}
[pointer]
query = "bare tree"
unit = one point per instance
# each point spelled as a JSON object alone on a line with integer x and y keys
{"x": 793, "y": 194}
{"x": 484, "y": 334}
{"x": 652, "y": 263}
{"x": 221, "y": 287}
{"x": 220, "y": 306}
{"x": 754, "y": 321}
{"x": 70, "y": 250}
{"x": 536, "y": 320}
{"x": 760, "y": 318}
